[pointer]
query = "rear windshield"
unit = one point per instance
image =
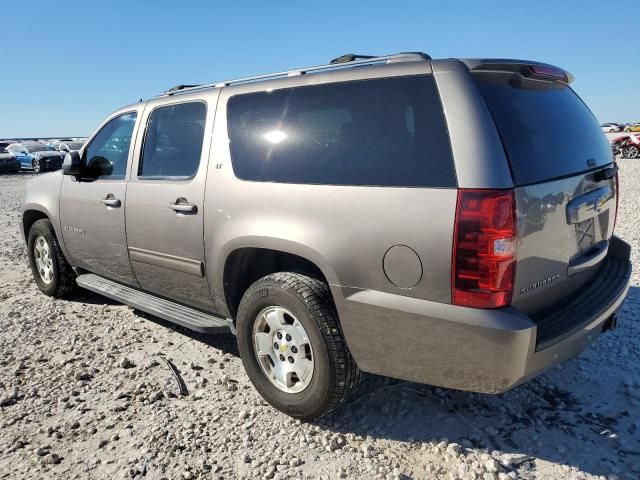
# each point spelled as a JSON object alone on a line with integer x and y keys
{"x": 386, "y": 132}
{"x": 546, "y": 129}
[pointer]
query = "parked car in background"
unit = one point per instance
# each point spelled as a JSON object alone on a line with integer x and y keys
{"x": 66, "y": 146}
{"x": 8, "y": 162}
{"x": 627, "y": 146}
{"x": 611, "y": 127}
{"x": 632, "y": 127}
{"x": 4, "y": 144}
{"x": 53, "y": 142}
{"x": 36, "y": 156}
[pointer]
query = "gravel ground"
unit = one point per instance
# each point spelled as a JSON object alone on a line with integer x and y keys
{"x": 85, "y": 393}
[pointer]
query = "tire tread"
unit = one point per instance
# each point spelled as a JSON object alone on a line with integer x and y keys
{"x": 66, "y": 277}
{"x": 345, "y": 374}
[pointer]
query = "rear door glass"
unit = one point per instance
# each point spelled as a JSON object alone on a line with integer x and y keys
{"x": 546, "y": 129}
{"x": 173, "y": 141}
{"x": 383, "y": 132}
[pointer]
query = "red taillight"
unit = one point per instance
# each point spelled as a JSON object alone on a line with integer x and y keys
{"x": 484, "y": 248}
{"x": 548, "y": 71}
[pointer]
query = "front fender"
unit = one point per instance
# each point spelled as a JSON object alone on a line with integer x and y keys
{"x": 42, "y": 195}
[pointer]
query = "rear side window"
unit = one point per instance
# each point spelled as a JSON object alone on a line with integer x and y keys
{"x": 546, "y": 129}
{"x": 173, "y": 141}
{"x": 387, "y": 132}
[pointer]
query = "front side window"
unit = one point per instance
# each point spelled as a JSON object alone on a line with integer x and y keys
{"x": 383, "y": 132}
{"x": 173, "y": 142}
{"x": 108, "y": 152}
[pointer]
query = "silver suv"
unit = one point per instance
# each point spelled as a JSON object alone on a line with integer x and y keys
{"x": 448, "y": 222}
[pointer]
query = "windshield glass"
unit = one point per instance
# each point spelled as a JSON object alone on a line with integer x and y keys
{"x": 38, "y": 148}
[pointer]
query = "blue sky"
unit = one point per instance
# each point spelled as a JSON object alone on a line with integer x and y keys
{"x": 68, "y": 64}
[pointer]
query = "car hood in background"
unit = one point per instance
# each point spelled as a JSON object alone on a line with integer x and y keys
{"x": 46, "y": 154}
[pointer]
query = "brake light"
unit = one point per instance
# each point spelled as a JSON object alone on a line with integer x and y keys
{"x": 484, "y": 249}
{"x": 546, "y": 72}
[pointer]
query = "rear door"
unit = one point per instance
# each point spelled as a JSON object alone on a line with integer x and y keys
{"x": 565, "y": 183}
{"x": 165, "y": 201}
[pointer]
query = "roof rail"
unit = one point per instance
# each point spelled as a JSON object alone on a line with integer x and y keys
{"x": 344, "y": 61}
{"x": 349, "y": 57}
{"x": 177, "y": 88}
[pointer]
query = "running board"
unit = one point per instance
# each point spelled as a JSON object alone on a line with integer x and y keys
{"x": 166, "y": 309}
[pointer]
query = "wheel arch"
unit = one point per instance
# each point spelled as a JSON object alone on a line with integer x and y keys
{"x": 31, "y": 213}
{"x": 31, "y": 216}
{"x": 244, "y": 265}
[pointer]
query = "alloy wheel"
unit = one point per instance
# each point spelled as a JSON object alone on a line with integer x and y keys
{"x": 283, "y": 349}
{"x": 632, "y": 152}
{"x": 43, "y": 259}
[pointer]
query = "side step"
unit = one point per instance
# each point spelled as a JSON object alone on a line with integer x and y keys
{"x": 166, "y": 309}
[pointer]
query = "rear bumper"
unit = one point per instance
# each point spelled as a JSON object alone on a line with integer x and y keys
{"x": 478, "y": 350}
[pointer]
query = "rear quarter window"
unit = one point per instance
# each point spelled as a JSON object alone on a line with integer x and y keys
{"x": 546, "y": 129}
{"x": 385, "y": 132}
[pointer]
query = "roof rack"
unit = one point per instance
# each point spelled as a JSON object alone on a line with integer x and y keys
{"x": 344, "y": 61}
{"x": 178, "y": 88}
{"x": 349, "y": 57}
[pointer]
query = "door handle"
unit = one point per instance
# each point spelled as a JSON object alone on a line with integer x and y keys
{"x": 182, "y": 205}
{"x": 111, "y": 201}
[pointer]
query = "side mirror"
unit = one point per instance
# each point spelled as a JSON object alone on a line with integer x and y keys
{"x": 72, "y": 164}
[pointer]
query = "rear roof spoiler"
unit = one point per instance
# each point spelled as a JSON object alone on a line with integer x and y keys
{"x": 528, "y": 68}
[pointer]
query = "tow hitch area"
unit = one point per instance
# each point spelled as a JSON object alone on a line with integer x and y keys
{"x": 611, "y": 323}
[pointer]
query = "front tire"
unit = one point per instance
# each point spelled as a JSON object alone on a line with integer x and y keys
{"x": 51, "y": 271}
{"x": 292, "y": 346}
{"x": 37, "y": 166}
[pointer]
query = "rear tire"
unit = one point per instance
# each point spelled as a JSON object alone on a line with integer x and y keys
{"x": 51, "y": 271}
{"x": 299, "y": 304}
{"x": 37, "y": 166}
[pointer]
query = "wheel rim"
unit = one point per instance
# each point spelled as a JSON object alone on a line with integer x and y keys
{"x": 283, "y": 349}
{"x": 36, "y": 166}
{"x": 44, "y": 262}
